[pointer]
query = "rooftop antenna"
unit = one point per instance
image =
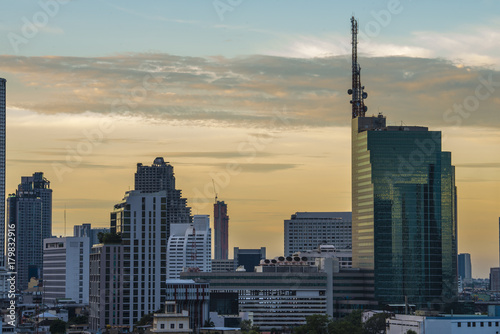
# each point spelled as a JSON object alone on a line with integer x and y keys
{"x": 358, "y": 95}
{"x": 65, "y": 220}
{"x": 215, "y": 192}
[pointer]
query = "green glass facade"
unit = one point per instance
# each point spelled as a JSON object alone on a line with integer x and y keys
{"x": 404, "y": 212}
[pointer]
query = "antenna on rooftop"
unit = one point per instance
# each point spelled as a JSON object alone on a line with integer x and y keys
{"x": 358, "y": 95}
{"x": 215, "y": 191}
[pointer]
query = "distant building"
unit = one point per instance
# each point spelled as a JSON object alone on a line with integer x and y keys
{"x": 221, "y": 231}
{"x": 66, "y": 270}
{"x": 223, "y": 265}
{"x": 308, "y": 230}
{"x": 191, "y": 296}
{"x": 495, "y": 279}
{"x": 189, "y": 246}
{"x": 30, "y": 211}
{"x": 135, "y": 266}
{"x": 109, "y": 305}
{"x": 86, "y": 230}
{"x": 465, "y": 268}
{"x": 249, "y": 258}
{"x": 344, "y": 256}
{"x": 171, "y": 321}
{"x": 454, "y": 324}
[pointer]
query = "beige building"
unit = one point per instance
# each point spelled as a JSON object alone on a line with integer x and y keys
{"x": 171, "y": 321}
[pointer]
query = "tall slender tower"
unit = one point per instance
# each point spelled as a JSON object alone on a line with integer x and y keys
{"x": 404, "y": 225}
{"x": 3, "y": 93}
{"x": 221, "y": 232}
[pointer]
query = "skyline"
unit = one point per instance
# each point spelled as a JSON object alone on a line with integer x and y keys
{"x": 258, "y": 101}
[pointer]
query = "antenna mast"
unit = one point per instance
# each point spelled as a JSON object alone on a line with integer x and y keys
{"x": 215, "y": 192}
{"x": 358, "y": 95}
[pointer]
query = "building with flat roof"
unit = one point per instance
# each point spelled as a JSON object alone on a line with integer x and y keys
{"x": 221, "y": 231}
{"x": 249, "y": 258}
{"x": 223, "y": 265}
{"x": 309, "y": 230}
{"x": 66, "y": 270}
{"x": 464, "y": 268}
{"x": 453, "y": 324}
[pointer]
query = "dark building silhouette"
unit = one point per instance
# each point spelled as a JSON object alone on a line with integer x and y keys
{"x": 221, "y": 231}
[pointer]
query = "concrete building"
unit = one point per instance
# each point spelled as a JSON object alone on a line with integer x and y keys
{"x": 189, "y": 246}
{"x": 86, "y": 230}
{"x": 495, "y": 279}
{"x": 3, "y": 98}
{"x": 249, "y": 258}
{"x": 140, "y": 227}
{"x": 66, "y": 270}
{"x": 308, "y": 230}
{"x": 30, "y": 211}
{"x": 221, "y": 231}
{"x": 110, "y": 302}
{"x": 465, "y": 268}
{"x": 171, "y": 321}
{"x": 455, "y": 324}
{"x": 223, "y": 265}
{"x": 283, "y": 292}
{"x": 191, "y": 296}
{"x": 344, "y": 256}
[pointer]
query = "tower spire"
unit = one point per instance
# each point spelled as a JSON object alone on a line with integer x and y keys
{"x": 358, "y": 95}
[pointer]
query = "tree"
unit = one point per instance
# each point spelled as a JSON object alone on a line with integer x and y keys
{"x": 209, "y": 323}
{"x": 109, "y": 238}
{"x": 247, "y": 327}
{"x": 411, "y": 331}
{"x": 376, "y": 324}
{"x": 351, "y": 324}
{"x": 58, "y": 327}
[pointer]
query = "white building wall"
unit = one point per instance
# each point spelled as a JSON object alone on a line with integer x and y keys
{"x": 400, "y": 324}
{"x": 189, "y": 246}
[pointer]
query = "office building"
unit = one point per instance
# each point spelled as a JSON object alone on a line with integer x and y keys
{"x": 30, "y": 211}
{"x": 223, "y": 265}
{"x": 221, "y": 231}
{"x": 171, "y": 321}
{"x": 465, "y": 268}
{"x": 86, "y": 230}
{"x": 495, "y": 279}
{"x": 308, "y": 230}
{"x": 249, "y": 258}
{"x": 404, "y": 212}
{"x": 110, "y": 287}
{"x": 344, "y": 256}
{"x": 191, "y": 296}
{"x": 66, "y": 270}
{"x": 3, "y": 112}
{"x": 140, "y": 228}
{"x": 189, "y": 247}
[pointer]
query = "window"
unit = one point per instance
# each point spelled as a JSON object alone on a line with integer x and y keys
{"x": 468, "y": 324}
{"x": 162, "y": 326}
{"x": 459, "y": 324}
{"x": 181, "y": 326}
{"x": 172, "y": 326}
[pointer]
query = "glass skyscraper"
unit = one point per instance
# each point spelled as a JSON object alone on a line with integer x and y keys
{"x": 404, "y": 223}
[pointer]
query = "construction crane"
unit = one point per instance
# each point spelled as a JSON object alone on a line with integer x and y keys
{"x": 358, "y": 95}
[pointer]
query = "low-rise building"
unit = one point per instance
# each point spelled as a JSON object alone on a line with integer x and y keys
{"x": 172, "y": 321}
{"x": 454, "y": 324}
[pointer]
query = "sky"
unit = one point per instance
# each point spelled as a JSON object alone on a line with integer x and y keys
{"x": 251, "y": 95}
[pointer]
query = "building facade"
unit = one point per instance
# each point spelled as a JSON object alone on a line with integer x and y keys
{"x": 189, "y": 247}
{"x": 404, "y": 212}
{"x": 66, "y": 270}
{"x": 3, "y": 112}
{"x": 221, "y": 231}
{"x": 308, "y": 230}
{"x": 465, "y": 268}
{"x": 249, "y": 258}
{"x": 495, "y": 279}
{"x": 30, "y": 211}
{"x": 191, "y": 296}
{"x": 223, "y": 265}
{"x": 86, "y": 230}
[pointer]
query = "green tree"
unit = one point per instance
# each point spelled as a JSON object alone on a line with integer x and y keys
{"x": 411, "y": 331}
{"x": 351, "y": 324}
{"x": 109, "y": 238}
{"x": 58, "y": 327}
{"x": 248, "y": 328}
{"x": 376, "y": 324}
{"x": 209, "y": 323}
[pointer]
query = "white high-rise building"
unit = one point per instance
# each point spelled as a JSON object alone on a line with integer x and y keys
{"x": 189, "y": 246}
{"x": 308, "y": 230}
{"x": 66, "y": 270}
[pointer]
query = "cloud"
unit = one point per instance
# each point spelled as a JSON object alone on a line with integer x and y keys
{"x": 251, "y": 92}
